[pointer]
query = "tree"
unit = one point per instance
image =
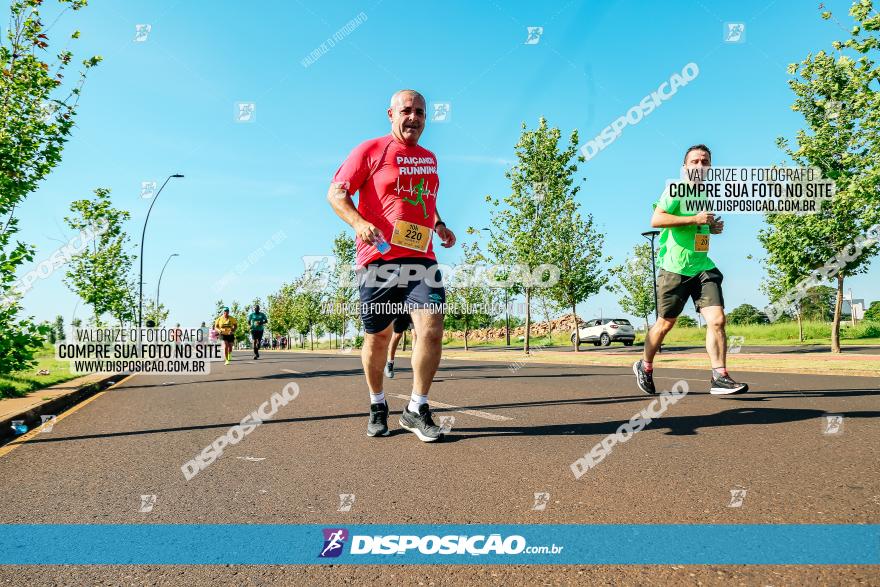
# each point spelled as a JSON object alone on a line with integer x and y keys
{"x": 344, "y": 293}
{"x": 101, "y": 273}
{"x": 873, "y": 312}
{"x": 683, "y": 320}
{"x": 635, "y": 284}
{"x": 576, "y": 251}
{"x": 36, "y": 117}
{"x": 240, "y": 313}
{"x": 59, "y": 328}
{"x": 538, "y": 223}
{"x": 837, "y": 97}
{"x": 467, "y": 294}
{"x": 747, "y": 314}
{"x": 157, "y": 314}
{"x": 818, "y": 304}
{"x": 778, "y": 282}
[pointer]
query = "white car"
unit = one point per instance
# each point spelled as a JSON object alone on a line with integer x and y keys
{"x": 604, "y": 331}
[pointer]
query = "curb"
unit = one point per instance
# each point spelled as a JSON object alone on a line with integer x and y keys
{"x": 54, "y": 406}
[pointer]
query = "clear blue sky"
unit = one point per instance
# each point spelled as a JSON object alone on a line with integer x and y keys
{"x": 166, "y": 105}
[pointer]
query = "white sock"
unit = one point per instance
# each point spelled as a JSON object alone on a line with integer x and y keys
{"x": 415, "y": 401}
{"x": 377, "y": 398}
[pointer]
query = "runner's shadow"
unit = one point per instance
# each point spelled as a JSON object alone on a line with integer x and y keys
{"x": 802, "y": 393}
{"x": 675, "y": 425}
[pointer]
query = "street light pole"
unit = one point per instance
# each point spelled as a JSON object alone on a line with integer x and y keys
{"x": 143, "y": 234}
{"x": 650, "y": 234}
{"x": 158, "y": 285}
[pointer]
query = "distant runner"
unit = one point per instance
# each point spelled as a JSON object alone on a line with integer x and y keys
{"x": 257, "y": 320}
{"x": 395, "y": 220}
{"x": 686, "y": 271}
{"x": 226, "y": 325}
{"x": 401, "y": 324}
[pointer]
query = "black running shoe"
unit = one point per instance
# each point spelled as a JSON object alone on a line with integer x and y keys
{"x": 724, "y": 385}
{"x": 389, "y": 369}
{"x": 644, "y": 379}
{"x": 420, "y": 424}
{"x": 378, "y": 424}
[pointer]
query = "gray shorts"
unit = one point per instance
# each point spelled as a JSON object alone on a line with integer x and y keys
{"x": 673, "y": 291}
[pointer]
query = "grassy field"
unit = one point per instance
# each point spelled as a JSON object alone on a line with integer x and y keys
{"x": 864, "y": 333}
{"x": 764, "y": 334}
{"x": 19, "y": 384}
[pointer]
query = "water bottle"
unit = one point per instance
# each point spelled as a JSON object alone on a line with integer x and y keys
{"x": 382, "y": 245}
{"x": 19, "y": 427}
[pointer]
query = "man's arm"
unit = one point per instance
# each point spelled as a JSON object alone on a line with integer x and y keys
{"x": 341, "y": 203}
{"x": 662, "y": 219}
{"x": 446, "y": 235}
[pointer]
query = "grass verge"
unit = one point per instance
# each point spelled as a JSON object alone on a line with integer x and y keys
{"x": 23, "y": 382}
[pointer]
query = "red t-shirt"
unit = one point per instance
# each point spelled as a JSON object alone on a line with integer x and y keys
{"x": 394, "y": 181}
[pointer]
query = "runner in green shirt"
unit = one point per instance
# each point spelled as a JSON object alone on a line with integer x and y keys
{"x": 686, "y": 271}
{"x": 257, "y": 320}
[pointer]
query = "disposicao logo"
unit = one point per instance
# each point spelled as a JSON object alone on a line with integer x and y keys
{"x": 334, "y": 540}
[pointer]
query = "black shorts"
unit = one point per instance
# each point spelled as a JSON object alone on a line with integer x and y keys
{"x": 673, "y": 291}
{"x": 401, "y": 323}
{"x": 390, "y": 289}
{"x": 228, "y": 337}
{"x": 257, "y": 334}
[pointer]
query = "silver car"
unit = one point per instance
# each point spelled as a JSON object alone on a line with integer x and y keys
{"x": 604, "y": 331}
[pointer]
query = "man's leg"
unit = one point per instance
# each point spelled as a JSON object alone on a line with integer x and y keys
{"x": 373, "y": 358}
{"x": 716, "y": 336}
{"x": 373, "y": 355}
{"x": 392, "y": 346}
{"x": 654, "y": 337}
{"x": 426, "y": 355}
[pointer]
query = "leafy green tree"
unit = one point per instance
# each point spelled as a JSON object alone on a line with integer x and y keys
{"x": 36, "y": 117}
{"x": 682, "y": 321}
{"x": 467, "y": 295}
{"x": 240, "y": 313}
{"x": 778, "y": 282}
{"x": 51, "y": 336}
{"x": 576, "y": 251}
{"x": 537, "y": 223}
{"x": 746, "y": 314}
{"x": 818, "y": 304}
{"x": 101, "y": 273}
{"x": 873, "y": 312}
{"x": 344, "y": 293}
{"x": 635, "y": 284}
{"x": 157, "y": 314}
{"x": 58, "y": 327}
{"x": 837, "y": 96}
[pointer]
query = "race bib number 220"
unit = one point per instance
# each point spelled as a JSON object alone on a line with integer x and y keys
{"x": 411, "y": 236}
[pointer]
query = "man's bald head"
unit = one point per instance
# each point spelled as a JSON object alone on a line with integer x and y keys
{"x": 407, "y": 116}
{"x": 412, "y": 93}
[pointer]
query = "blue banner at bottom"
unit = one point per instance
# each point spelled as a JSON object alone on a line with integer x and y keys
{"x": 251, "y": 544}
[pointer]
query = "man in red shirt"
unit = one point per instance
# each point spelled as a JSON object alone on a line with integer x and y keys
{"x": 397, "y": 183}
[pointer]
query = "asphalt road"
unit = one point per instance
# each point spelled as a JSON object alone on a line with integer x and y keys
{"x": 515, "y": 433}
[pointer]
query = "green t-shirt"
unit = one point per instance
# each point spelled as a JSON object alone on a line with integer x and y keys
{"x": 676, "y": 252}
{"x": 256, "y": 320}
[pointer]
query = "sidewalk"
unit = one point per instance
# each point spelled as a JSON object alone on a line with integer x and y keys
{"x": 49, "y": 401}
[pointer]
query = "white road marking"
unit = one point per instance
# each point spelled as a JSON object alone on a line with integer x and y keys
{"x": 253, "y": 459}
{"x": 294, "y": 371}
{"x": 477, "y": 413}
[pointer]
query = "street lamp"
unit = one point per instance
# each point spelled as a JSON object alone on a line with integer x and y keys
{"x": 158, "y": 285}
{"x": 650, "y": 234}
{"x": 143, "y": 234}
{"x": 506, "y": 304}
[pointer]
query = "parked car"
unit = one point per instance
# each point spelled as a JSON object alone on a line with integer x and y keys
{"x": 604, "y": 331}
